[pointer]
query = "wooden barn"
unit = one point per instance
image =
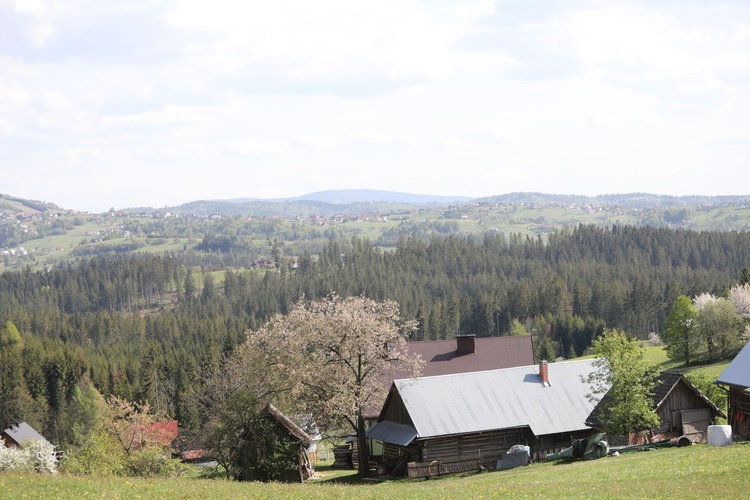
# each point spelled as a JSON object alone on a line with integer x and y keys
{"x": 682, "y": 409}
{"x": 474, "y": 418}
{"x": 296, "y": 442}
{"x": 737, "y": 378}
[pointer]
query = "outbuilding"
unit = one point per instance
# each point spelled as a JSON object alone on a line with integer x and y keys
{"x": 682, "y": 409}
{"x": 736, "y": 377}
{"x": 295, "y": 443}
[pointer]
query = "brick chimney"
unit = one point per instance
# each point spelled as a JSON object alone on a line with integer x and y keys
{"x": 544, "y": 373}
{"x": 465, "y": 344}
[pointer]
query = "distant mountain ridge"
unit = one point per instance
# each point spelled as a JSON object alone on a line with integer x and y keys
{"x": 353, "y": 201}
{"x": 347, "y": 196}
{"x": 628, "y": 200}
{"x": 363, "y": 201}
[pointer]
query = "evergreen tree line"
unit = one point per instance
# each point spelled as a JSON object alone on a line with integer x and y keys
{"x": 153, "y": 327}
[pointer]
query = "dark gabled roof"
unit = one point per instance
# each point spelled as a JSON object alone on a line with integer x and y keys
{"x": 664, "y": 385}
{"x": 665, "y": 382}
{"x": 738, "y": 371}
{"x": 441, "y": 357}
{"x": 23, "y": 432}
{"x": 291, "y": 428}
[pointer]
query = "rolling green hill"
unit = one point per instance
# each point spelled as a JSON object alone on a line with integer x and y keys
{"x": 38, "y": 234}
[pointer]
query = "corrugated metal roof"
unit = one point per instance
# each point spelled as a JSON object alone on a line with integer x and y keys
{"x": 738, "y": 371}
{"x": 499, "y": 399}
{"x": 393, "y": 433}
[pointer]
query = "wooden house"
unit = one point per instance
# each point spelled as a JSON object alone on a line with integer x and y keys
{"x": 736, "y": 377}
{"x": 682, "y": 409}
{"x": 465, "y": 353}
{"x": 476, "y": 417}
{"x": 17, "y": 435}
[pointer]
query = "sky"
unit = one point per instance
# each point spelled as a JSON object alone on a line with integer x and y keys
{"x": 160, "y": 102}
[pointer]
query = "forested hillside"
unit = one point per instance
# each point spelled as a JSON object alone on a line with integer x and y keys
{"x": 151, "y": 327}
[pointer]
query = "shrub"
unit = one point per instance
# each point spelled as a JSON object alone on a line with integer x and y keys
{"x": 36, "y": 456}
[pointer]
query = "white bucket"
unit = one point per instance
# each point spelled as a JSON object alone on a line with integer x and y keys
{"x": 719, "y": 435}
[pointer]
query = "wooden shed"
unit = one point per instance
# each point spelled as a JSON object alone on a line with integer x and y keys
{"x": 737, "y": 378}
{"x": 294, "y": 444}
{"x": 469, "y": 420}
{"x": 681, "y": 407}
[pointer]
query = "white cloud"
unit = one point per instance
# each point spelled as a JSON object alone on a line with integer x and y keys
{"x": 307, "y": 139}
{"x": 14, "y": 95}
{"x": 474, "y": 10}
{"x": 455, "y": 97}
{"x": 168, "y": 116}
{"x": 326, "y": 39}
{"x": 6, "y": 126}
{"x": 253, "y": 147}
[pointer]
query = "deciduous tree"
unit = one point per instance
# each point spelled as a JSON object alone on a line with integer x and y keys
{"x": 681, "y": 332}
{"x": 625, "y": 376}
{"x": 331, "y": 354}
{"x": 720, "y": 328}
{"x": 739, "y": 296}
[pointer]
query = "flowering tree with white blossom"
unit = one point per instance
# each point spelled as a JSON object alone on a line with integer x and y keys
{"x": 332, "y": 353}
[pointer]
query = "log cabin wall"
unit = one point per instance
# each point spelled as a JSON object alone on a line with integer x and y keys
{"x": 739, "y": 411}
{"x": 457, "y": 447}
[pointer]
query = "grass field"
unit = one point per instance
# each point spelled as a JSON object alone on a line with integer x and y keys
{"x": 657, "y": 356}
{"x": 698, "y": 471}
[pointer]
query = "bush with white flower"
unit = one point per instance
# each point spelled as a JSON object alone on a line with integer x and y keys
{"x": 35, "y": 456}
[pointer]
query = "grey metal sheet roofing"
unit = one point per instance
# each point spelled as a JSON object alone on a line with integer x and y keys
{"x": 499, "y": 399}
{"x": 22, "y": 433}
{"x": 738, "y": 371}
{"x": 391, "y": 432}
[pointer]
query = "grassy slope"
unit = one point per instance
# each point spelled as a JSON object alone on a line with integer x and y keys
{"x": 698, "y": 471}
{"x": 657, "y": 356}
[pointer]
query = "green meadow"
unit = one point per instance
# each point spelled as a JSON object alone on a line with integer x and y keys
{"x": 698, "y": 471}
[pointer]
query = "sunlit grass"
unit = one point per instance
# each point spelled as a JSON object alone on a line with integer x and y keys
{"x": 698, "y": 471}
